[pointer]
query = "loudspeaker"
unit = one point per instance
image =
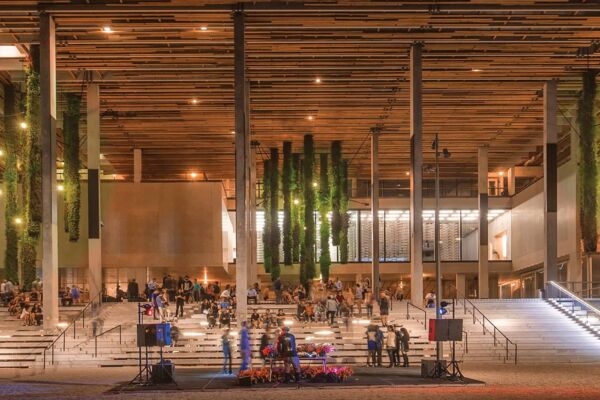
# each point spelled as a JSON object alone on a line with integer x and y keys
{"x": 149, "y": 335}
{"x": 445, "y": 330}
{"x": 163, "y": 372}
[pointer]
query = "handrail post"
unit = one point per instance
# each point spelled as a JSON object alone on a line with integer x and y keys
{"x": 494, "y": 335}
{"x": 44, "y": 359}
{"x": 53, "y": 354}
{"x": 64, "y": 341}
{"x": 95, "y": 346}
{"x": 74, "y": 330}
{"x": 407, "y": 310}
{"x": 483, "y": 324}
{"x": 506, "y": 349}
{"x": 515, "y": 354}
{"x": 120, "y": 335}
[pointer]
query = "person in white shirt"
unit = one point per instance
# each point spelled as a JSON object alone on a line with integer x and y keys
{"x": 339, "y": 285}
{"x": 430, "y": 300}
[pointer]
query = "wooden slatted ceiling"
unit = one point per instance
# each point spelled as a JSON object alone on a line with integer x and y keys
{"x": 484, "y": 66}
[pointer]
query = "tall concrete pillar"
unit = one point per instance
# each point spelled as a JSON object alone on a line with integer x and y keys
{"x": 416, "y": 175}
{"x": 482, "y": 179}
{"x": 48, "y": 145}
{"x": 137, "y": 165}
{"x": 93, "y": 164}
{"x": 550, "y": 183}
{"x": 242, "y": 150}
{"x": 375, "y": 211}
{"x": 461, "y": 285}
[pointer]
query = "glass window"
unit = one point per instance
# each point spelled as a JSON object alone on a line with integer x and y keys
{"x": 397, "y": 235}
{"x": 450, "y": 235}
{"x": 366, "y": 229}
{"x": 428, "y": 235}
{"x": 469, "y": 235}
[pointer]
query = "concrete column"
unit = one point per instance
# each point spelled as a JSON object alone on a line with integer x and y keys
{"x": 48, "y": 144}
{"x": 93, "y": 164}
{"x": 482, "y": 178}
{"x": 550, "y": 182}
{"x": 137, "y": 165}
{"x": 241, "y": 166}
{"x": 510, "y": 177}
{"x": 416, "y": 175}
{"x": 461, "y": 285}
{"x": 375, "y": 211}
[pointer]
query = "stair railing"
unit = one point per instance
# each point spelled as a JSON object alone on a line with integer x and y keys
{"x": 105, "y": 332}
{"x": 97, "y": 299}
{"x": 488, "y": 327}
{"x": 409, "y": 305}
{"x": 555, "y": 290}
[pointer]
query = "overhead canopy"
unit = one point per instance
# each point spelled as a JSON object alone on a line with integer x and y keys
{"x": 337, "y": 71}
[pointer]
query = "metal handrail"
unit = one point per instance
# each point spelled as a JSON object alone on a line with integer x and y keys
{"x": 494, "y": 331}
{"x": 408, "y": 305}
{"x": 73, "y": 324}
{"x": 574, "y": 299}
{"x": 107, "y": 331}
{"x": 591, "y": 287}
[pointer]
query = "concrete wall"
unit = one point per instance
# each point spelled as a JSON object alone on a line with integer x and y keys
{"x": 527, "y": 244}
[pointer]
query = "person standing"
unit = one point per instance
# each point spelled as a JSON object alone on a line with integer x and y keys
{"x": 391, "y": 345}
{"x": 286, "y": 348}
{"x": 358, "y": 298}
{"x": 384, "y": 308}
{"x": 371, "y": 333}
{"x": 277, "y": 288}
{"x": 227, "y": 359}
{"x": 179, "y": 303}
{"x": 404, "y": 345}
{"x": 245, "y": 350}
{"x": 331, "y": 308}
{"x": 370, "y": 300}
{"x": 133, "y": 291}
{"x": 265, "y": 340}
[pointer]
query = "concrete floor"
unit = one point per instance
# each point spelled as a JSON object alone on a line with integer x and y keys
{"x": 501, "y": 382}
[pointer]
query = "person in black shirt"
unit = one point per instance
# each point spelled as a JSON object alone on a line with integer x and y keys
{"x": 265, "y": 340}
{"x": 133, "y": 291}
{"x": 179, "y": 302}
{"x": 255, "y": 319}
{"x": 286, "y": 348}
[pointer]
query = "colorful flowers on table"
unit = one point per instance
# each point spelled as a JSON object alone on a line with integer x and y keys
{"x": 316, "y": 374}
{"x": 269, "y": 351}
{"x": 314, "y": 350}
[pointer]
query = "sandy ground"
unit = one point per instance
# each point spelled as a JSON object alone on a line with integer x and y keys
{"x": 501, "y": 382}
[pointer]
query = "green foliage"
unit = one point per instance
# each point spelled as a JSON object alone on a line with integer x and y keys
{"x": 296, "y": 207}
{"x": 336, "y": 191}
{"x": 11, "y": 181}
{"x": 28, "y": 260}
{"x": 267, "y": 209}
{"x": 309, "y": 210}
{"x": 345, "y": 217}
{"x": 275, "y": 234}
{"x": 287, "y": 183}
{"x": 588, "y": 165}
{"x": 33, "y": 155}
{"x": 72, "y": 184}
{"x": 324, "y": 207}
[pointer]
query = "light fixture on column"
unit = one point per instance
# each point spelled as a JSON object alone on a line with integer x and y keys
{"x": 296, "y": 201}
{"x": 315, "y": 184}
{"x": 60, "y": 188}
{"x": 1, "y": 152}
{"x": 18, "y": 221}
{"x": 23, "y": 125}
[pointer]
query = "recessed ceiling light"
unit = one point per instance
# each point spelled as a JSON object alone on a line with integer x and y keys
{"x": 501, "y": 173}
{"x": 310, "y": 117}
{"x": 476, "y": 70}
{"x": 193, "y": 175}
{"x": 233, "y": 132}
{"x": 407, "y": 173}
{"x": 203, "y": 28}
{"x": 107, "y": 29}
{"x": 194, "y": 101}
{"x": 318, "y": 80}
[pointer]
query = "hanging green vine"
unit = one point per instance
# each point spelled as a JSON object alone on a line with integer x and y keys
{"x": 336, "y": 191}
{"x": 72, "y": 192}
{"x": 275, "y": 234}
{"x": 287, "y": 183}
{"x": 33, "y": 155}
{"x": 324, "y": 207}
{"x": 296, "y": 206}
{"x": 588, "y": 165}
{"x": 309, "y": 209}
{"x": 32, "y": 177}
{"x": 345, "y": 216}
{"x": 11, "y": 181}
{"x": 267, "y": 212}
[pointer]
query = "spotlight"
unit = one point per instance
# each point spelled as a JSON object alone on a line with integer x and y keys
{"x": 23, "y": 125}
{"x": 18, "y": 221}
{"x": 60, "y": 188}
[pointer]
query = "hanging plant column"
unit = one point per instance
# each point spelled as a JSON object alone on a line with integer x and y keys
{"x": 309, "y": 210}
{"x": 296, "y": 206}
{"x": 286, "y": 188}
{"x": 72, "y": 192}
{"x": 588, "y": 165}
{"x": 11, "y": 181}
{"x": 324, "y": 206}
{"x": 267, "y": 213}
{"x": 336, "y": 191}
{"x": 345, "y": 217}
{"x": 275, "y": 235}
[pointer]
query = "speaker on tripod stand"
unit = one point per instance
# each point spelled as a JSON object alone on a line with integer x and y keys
{"x": 444, "y": 330}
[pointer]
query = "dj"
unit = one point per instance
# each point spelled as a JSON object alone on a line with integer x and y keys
{"x": 286, "y": 349}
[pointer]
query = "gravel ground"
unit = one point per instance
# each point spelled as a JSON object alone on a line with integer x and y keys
{"x": 570, "y": 382}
